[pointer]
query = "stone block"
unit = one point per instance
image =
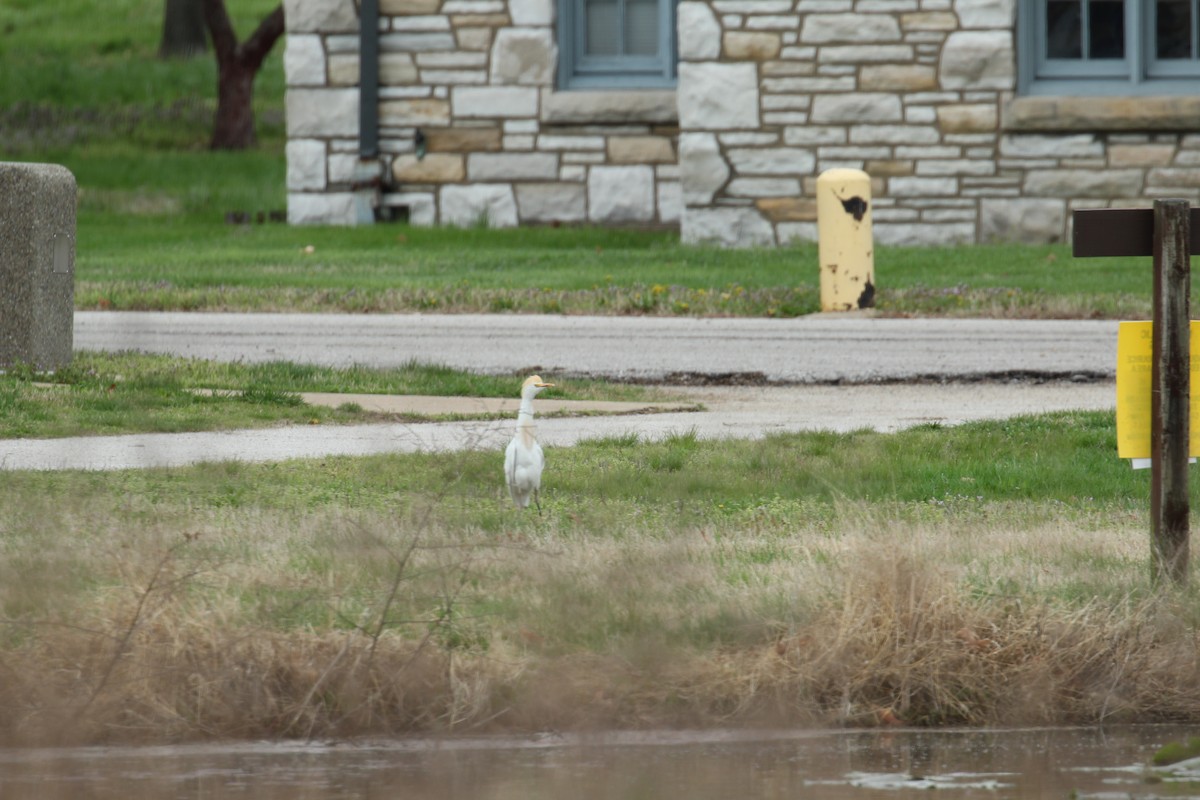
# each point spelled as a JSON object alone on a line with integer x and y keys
{"x": 739, "y": 226}
{"x": 621, "y": 194}
{"x": 494, "y": 101}
{"x": 753, "y": 6}
{"x": 512, "y": 166}
{"x": 320, "y": 16}
{"x": 1175, "y": 178}
{"x": 978, "y": 60}
{"x": 531, "y": 12}
{"x": 857, "y": 107}
{"x": 714, "y": 96}
{"x": 460, "y": 21}
{"x": 1028, "y": 220}
{"x": 552, "y": 202}
{"x": 1078, "y": 145}
{"x": 986, "y": 13}
{"x": 699, "y": 32}
{"x": 849, "y": 28}
{"x": 417, "y": 42}
{"x": 922, "y": 187}
{"x": 929, "y": 21}
{"x": 394, "y": 8}
{"x": 524, "y": 56}
{"x": 474, "y": 38}
{"x": 304, "y": 60}
{"x": 640, "y": 150}
{"x": 321, "y": 112}
{"x": 888, "y": 168}
{"x": 744, "y": 46}
{"x": 702, "y": 168}
{"x": 421, "y": 23}
{"x": 763, "y": 187}
{"x": 772, "y": 161}
{"x": 492, "y": 205}
{"x": 920, "y": 234}
{"x": 421, "y": 207}
{"x": 414, "y": 112}
{"x": 37, "y": 264}
{"x": 895, "y": 54}
{"x": 1080, "y": 183}
{"x": 569, "y": 142}
{"x": 462, "y": 140}
{"x": 322, "y": 209}
{"x": 343, "y": 69}
{"x": 967, "y": 118}
{"x": 894, "y": 134}
{"x": 610, "y": 107}
{"x": 395, "y": 69}
{"x": 670, "y": 201}
{"x": 1140, "y": 155}
{"x": 788, "y": 209}
{"x": 898, "y": 77}
{"x": 433, "y": 168}
{"x": 305, "y": 165}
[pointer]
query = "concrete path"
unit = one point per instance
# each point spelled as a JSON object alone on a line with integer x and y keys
{"x": 749, "y": 412}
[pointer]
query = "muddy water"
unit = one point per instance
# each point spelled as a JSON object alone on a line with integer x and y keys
{"x": 849, "y": 765}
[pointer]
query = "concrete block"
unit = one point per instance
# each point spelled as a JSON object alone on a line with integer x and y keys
{"x": 37, "y": 264}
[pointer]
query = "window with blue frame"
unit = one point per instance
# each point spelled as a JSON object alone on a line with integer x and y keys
{"x": 1109, "y": 47}
{"x": 616, "y": 44}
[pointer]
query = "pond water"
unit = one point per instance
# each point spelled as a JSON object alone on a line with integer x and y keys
{"x": 1055, "y": 763}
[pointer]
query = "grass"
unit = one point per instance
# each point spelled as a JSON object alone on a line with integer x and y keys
{"x": 995, "y": 573}
{"x": 111, "y": 393}
{"x": 152, "y": 233}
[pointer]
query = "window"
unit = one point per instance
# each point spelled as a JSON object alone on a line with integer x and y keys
{"x": 1110, "y": 46}
{"x": 613, "y": 44}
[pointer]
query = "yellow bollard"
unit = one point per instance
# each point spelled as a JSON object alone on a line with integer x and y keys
{"x": 844, "y": 246}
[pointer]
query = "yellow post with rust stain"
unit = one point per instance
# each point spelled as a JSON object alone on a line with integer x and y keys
{"x": 844, "y": 243}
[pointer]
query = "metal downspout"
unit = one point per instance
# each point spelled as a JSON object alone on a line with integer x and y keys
{"x": 367, "y": 175}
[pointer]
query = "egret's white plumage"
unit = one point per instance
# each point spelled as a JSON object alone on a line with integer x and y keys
{"x": 523, "y": 460}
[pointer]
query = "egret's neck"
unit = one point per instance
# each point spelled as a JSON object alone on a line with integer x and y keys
{"x": 525, "y": 414}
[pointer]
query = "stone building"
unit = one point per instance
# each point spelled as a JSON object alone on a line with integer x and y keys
{"x": 977, "y": 120}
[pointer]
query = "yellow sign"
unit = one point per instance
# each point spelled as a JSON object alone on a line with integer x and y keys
{"x": 1135, "y": 369}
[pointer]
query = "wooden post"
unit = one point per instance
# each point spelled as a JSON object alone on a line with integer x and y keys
{"x": 1169, "y": 399}
{"x": 1169, "y": 232}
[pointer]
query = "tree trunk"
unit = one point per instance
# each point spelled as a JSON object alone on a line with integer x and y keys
{"x": 237, "y": 67}
{"x": 184, "y": 34}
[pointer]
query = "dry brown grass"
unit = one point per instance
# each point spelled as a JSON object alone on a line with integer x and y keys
{"x": 250, "y": 623}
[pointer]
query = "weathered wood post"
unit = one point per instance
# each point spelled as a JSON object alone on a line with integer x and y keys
{"x": 37, "y": 264}
{"x": 1169, "y": 232}
{"x": 1169, "y": 402}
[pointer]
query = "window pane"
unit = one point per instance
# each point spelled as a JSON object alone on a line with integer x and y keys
{"x": 1064, "y": 25}
{"x": 603, "y": 28}
{"x": 1106, "y": 29}
{"x": 641, "y": 27}
{"x": 1173, "y": 29}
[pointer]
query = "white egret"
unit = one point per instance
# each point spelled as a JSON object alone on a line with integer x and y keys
{"x": 523, "y": 460}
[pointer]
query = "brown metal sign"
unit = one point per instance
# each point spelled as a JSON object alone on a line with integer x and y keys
{"x": 1121, "y": 232}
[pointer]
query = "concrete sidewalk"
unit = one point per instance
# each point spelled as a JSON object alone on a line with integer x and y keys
{"x": 732, "y": 412}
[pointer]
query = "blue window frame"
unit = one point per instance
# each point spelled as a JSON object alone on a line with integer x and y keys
{"x": 1109, "y": 47}
{"x": 614, "y": 44}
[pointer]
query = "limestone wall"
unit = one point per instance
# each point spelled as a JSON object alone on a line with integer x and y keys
{"x": 476, "y": 78}
{"x": 920, "y": 95}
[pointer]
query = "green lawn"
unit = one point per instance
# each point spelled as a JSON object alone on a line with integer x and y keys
{"x": 152, "y": 231}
